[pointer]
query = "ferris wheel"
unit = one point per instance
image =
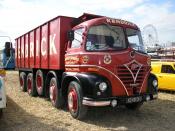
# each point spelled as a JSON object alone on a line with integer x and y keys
{"x": 150, "y": 36}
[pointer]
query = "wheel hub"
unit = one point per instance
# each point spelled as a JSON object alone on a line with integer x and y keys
{"x": 29, "y": 86}
{"x": 72, "y": 100}
{"x": 53, "y": 93}
{"x": 39, "y": 81}
{"x": 21, "y": 82}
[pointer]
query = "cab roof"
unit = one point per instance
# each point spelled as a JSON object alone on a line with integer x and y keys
{"x": 87, "y": 17}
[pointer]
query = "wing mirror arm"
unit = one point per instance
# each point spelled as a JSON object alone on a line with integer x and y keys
{"x": 70, "y": 35}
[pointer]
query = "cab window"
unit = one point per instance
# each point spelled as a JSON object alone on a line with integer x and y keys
{"x": 76, "y": 43}
{"x": 105, "y": 37}
{"x": 167, "y": 69}
{"x": 135, "y": 40}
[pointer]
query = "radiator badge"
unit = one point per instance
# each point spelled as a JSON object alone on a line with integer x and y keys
{"x": 134, "y": 68}
{"x": 107, "y": 59}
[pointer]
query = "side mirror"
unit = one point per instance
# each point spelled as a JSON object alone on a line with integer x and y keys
{"x": 70, "y": 35}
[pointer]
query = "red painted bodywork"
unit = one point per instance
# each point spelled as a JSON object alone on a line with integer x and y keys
{"x": 45, "y": 47}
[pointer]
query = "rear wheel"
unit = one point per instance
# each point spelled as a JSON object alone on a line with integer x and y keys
{"x": 30, "y": 85}
{"x": 22, "y": 79}
{"x": 55, "y": 95}
{"x": 40, "y": 82}
{"x": 134, "y": 106}
{"x": 75, "y": 97}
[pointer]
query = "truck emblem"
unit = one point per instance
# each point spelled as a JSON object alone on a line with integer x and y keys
{"x": 134, "y": 68}
{"x": 85, "y": 59}
{"x": 107, "y": 59}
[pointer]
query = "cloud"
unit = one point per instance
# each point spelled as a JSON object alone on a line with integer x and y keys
{"x": 20, "y": 16}
{"x": 2, "y": 33}
{"x": 159, "y": 15}
{"x": 106, "y": 4}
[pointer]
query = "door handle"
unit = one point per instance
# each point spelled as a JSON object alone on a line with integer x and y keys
{"x": 160, "y": 76}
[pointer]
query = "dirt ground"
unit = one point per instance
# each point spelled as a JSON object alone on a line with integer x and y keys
{"x": 25, "y": 113}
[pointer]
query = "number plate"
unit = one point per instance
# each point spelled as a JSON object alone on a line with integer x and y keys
{"x": 134, "y": 99}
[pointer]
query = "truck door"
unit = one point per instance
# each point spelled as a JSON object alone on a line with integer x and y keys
{"x": 166, "y": 77}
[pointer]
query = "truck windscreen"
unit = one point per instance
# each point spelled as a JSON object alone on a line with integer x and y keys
{"x": 135, "y": 40}
{"x": 105, "y": 37}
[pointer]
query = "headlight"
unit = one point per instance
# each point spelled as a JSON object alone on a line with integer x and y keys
{"x": 103, "y": 86}
{"x": 155, "y": 83}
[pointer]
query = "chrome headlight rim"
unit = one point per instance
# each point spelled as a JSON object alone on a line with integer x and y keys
{"x": 103, "y": 86}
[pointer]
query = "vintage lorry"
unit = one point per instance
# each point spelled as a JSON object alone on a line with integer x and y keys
{"x": 87, "y": 61}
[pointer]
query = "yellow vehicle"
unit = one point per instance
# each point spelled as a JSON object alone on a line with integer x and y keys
{"x": 165, "y": 72}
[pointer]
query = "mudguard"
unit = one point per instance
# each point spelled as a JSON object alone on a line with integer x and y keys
{"x": 150, "y": 88}
{"x": 89, "y": 83}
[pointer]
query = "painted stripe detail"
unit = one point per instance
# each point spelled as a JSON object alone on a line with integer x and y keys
{"x": 102, "y": 69}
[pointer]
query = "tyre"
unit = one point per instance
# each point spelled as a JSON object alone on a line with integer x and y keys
{"x": 22, "y": 79}
{"x": 134, "y": 106}
{"x": 75, "y": 97}
{"x": 40, "y": 82}
{"x": 30, "y": 85}
{"x": 55, "y": 95}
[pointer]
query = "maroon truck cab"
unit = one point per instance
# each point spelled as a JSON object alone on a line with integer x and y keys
{"x": 87, "y": 61}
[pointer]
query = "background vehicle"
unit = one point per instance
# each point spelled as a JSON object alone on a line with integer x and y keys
{"x": 87, "y": 61}
{"x": 165, "y": 72}
{"x": 7, "y": 54}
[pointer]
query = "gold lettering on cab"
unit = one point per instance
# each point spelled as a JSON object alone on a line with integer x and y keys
{"x": 72, "y": 60}
{"x": 118, "y": 21}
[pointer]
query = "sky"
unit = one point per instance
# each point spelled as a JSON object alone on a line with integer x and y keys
{"x": 20, "y": 16}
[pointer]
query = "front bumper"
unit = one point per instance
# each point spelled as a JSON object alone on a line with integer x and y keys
{"x": 114, "y": 101}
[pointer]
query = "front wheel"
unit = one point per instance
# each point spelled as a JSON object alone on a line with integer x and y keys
{"x": 134, "y": 106}
{"x": 75, "y": 97}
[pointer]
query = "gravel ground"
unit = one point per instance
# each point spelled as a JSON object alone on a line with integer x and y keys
{"x": 25, "y": 113}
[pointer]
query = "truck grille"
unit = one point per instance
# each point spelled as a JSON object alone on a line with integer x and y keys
{"x": 132, "y": 78}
